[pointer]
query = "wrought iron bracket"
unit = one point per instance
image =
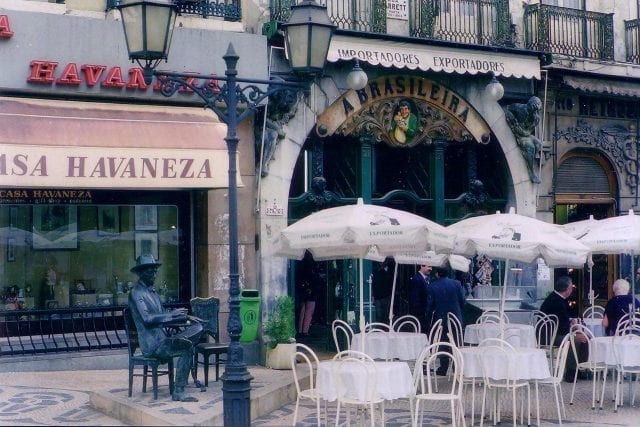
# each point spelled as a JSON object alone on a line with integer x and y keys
{"x": 218, "y": 98}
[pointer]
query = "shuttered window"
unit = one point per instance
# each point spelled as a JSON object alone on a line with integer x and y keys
{"x": 581, "y": 175}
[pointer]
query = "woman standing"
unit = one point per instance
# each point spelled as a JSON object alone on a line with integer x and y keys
{"x": 306, "y": 286}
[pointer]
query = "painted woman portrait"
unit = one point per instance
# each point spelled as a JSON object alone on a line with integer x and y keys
{"x": 404, "y": 124}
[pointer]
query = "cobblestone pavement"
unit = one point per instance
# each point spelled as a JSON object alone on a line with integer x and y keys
{"x": 54, "y": 398}
{"x": 397, "y": 412}
{"x": 62, "y": 398}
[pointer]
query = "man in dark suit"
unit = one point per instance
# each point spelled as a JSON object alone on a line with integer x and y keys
{"x": 418, "y": 296}
{"x": 444, "y": 295}
{"x": 556, "y": 303}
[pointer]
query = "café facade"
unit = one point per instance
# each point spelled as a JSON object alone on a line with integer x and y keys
{"x": 97, "y": 168}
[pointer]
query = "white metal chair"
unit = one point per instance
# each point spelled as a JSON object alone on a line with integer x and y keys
{"x": 624, "y": 370}
{"x": 626, "y": 322}
{"x": 354, "y": 354}
{"x": 341, "y": 330}
{"x": 406, "y": 323}
{"x": 536, "y": 315}
{"x": 425, "y": 382}
{"x": 555, "y": 380}
{"x": 305, "y": 360}
{"x": 546, "y": 330}
{"x": 494, "y": 385}
{"x": 597, "y": 369}
{"x": 595, "y": 312}
{"x": 435, "y": 333}
{"x": 455, "y": 334}
{"x": 376, "y": 327}
{"x": 366, "y": 396}
{"x": 492, "y": 316}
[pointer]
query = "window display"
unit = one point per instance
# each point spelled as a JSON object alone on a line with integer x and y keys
{"x": 66, "y": 255}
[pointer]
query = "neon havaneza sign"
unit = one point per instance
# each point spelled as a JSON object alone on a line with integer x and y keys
{"x": 49, "y": 73}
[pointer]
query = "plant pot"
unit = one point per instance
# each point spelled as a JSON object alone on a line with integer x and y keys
{"x": 280, "y": 356}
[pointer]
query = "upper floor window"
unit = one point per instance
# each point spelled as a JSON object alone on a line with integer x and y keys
{"x": 573, "y": 4}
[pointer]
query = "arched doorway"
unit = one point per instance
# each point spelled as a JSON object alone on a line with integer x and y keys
{"x": 585, "y": 184}
{"x": 449, "y": 166}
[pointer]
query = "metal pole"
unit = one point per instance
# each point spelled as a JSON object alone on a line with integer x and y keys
{"x": 236, "y": 380}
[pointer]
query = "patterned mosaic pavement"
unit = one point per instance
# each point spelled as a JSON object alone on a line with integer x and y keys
{"x": 63, "y": 398}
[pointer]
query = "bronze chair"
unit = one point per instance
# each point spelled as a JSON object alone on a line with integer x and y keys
{"x": 207, "y": 309}
{"x": 137, "y": 359}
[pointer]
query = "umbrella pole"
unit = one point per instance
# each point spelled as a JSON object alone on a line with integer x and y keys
{"x": 361, "y": 274}
{"x": 592, "y": 297}
{"x": 633, "y": 286}
{"x": 393, "y": 294}
{"x": 503, "y": 299}
{"x": 369, "y": 281}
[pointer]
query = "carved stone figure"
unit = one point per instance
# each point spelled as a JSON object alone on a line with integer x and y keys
{"x": 476, "y": 198}
{"x": 523, "y": 119}
{"x": 151, "y": 318}
{"x": 282, "y": 107}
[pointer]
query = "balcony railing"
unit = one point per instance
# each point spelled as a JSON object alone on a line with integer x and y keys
{"x": 228, "y": 9}
{"x": 483, "y": 22}
{"x": 632, "y": 40}
{"x": 571, "y": 32}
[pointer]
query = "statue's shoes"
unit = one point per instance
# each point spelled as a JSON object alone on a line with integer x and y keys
{"x": 179, "y": 397}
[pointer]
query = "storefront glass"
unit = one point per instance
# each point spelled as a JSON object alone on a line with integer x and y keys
{"x": 67, "y": 254}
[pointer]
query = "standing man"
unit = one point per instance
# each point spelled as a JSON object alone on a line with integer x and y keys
{"x": 444, "y": 295}
{"x": 556, "y": 303}
{"x": 382, "y": 286}
{"x": 150, "y": 318}
{"x": 418, "y": 296}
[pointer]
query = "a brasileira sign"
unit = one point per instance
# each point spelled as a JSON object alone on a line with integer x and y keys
{"x": 399, "y": 91}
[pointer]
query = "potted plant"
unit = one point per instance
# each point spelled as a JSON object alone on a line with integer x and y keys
{"x": 281, "y": 332}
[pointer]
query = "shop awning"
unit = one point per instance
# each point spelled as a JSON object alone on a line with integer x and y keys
{"x": 611, "y": 87}
{"x": 436, "y": 58}
{"x": 73, "y": 144}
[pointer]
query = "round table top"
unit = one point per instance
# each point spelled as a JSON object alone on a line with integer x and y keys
{"x": 516, "y": 334}
{"x": 524, "y": 364}
{"x": 391, "y": 345}
{"x": 615, "y": 350}
{"x": 393, "y": 380}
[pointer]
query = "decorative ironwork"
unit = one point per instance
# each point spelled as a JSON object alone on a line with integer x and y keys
{"x": 619, "y": 143}
{"x": 365, "y": 15}
{"x": 234, "y": 101}
{"x": 230, "y": 10}
{"x": 572, "y": 32}
{"x": 481, "y": 22}
{"x": 433, "y": 123}
{"x": 632, "y": 40}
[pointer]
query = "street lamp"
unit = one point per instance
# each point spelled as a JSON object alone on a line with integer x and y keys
{"x": 148, "y": 26}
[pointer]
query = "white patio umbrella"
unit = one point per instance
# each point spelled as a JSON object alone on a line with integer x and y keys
{"x": 616, "y": 235}
{"x": 519, "y": 238}
{"x": 352, "y": 231}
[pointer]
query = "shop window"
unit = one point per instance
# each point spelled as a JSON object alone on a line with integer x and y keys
{"x": 62, "y": 255}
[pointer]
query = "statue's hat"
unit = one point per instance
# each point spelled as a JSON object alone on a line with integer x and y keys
{"x": 145, "y": 261}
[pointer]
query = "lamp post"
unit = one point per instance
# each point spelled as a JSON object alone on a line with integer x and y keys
{"x": 148, "y": 27}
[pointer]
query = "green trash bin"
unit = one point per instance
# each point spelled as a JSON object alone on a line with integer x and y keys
{"x": 249, "y": 314}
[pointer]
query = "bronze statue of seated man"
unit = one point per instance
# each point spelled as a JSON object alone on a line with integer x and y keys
{"x": 151, "y": 319}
